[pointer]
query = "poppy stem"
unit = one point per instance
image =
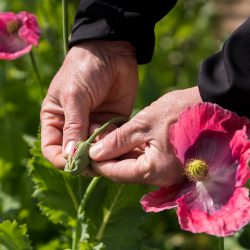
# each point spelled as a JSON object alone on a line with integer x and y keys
{"x": 2, "y": 96}
{"x": 65, "y": 25}
{"x": 38, "y": 77}
{"x": 220, "y": 243}
{"x": 80, "y": 214}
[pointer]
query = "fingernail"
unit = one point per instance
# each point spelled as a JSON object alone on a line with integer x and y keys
{"x": 95, "y": 150}
{"x": 69, "y": 148}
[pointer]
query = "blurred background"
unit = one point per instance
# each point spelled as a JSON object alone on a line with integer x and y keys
{"x": 192, "y": 31}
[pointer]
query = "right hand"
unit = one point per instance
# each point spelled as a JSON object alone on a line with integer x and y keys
{"x": 140, "y": 150}
{"x": 98, "y": 80}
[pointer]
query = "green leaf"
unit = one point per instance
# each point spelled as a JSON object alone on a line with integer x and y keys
{"x": 29, "y": 139}
{"x": 13, "y": 236}
{"x": 114, "y": 216}
{"x": 54, "y": 244}
{"x": 8, "y": 203}
{"x": 5, "y": 167}
{"x": 58, "y": 193}
{"x": 91, "y": 246}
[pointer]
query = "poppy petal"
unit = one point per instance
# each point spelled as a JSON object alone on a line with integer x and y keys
{"x": 224, "y": 222}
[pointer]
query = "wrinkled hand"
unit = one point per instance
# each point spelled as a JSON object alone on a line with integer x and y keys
{"x": 139, "y": 151}
{"x": 98, "y": 80}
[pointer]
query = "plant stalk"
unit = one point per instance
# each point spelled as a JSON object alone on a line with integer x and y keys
{"x": 80, "y": 214}
{"x": 2, "y": 96}
{"x": 65, "y": 25}
{"x": 115, "y": 120}
{"x": 220, "y": 243}
{"x": 38, "y": 77}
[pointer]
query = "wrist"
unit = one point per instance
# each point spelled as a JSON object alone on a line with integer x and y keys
{"x": 123, "y": 48}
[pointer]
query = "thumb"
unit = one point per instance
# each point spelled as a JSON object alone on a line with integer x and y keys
{"x": 120, "y": 141}
{"x": 76, "y": 124}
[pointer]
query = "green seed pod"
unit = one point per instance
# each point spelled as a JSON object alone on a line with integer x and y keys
{"x": 79, "y": 160}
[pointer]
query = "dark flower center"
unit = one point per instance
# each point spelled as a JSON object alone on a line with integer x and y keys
{"x": 12, "y": 26}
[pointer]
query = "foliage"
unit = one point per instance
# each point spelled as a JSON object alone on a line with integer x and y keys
{"x": 59, "y": 196}
{"x": 13, "y": 236}
{"x": 113, "y": 218}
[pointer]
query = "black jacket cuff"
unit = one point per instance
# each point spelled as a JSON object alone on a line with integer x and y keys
{"x": 131, "y": 21}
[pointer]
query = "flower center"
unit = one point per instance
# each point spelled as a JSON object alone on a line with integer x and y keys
{"x": 196, "y": 170}
{"x": 12, "y": 26}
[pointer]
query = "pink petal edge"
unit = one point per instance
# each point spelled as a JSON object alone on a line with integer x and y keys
{"x": 224, "y": 222}
{"x": 15, "y": 55}
{"x": 240, "y": 145}
{"x": 163, "y": 198}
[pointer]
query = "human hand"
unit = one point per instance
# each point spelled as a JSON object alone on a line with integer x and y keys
{"x": 98, "y": 80}
{"x": 139, "y": 151}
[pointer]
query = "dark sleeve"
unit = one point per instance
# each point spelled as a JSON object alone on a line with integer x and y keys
{"x": 127, "y": 20}
{"x": 225, "y": 77}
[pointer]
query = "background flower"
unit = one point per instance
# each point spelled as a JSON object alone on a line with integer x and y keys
{"x": 18, "y": 33}
{"x": 213, "y": 147}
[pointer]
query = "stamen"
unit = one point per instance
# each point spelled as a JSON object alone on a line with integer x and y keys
{"x": 12, "y": 26}
{"x": 196, "y": 170}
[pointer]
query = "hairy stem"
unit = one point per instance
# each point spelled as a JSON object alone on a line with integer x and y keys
{"x": 65, "y": 25}
{"x": 2, "y": 96}
{"x": 106, "y": 217}
{"x": 87, "y": 194}
{"x": 115, "y": 120}
{"x": 80, "y": 214}
{"x": 38, "y": 77}
{"x": 220, "y": 245}
{"x": 71, "y": 193}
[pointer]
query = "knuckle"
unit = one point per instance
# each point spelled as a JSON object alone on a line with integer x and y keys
{"x": 147, "y": 171}
{"x": 70, "y": 127}
{"x": 141, "y": 122}
{"x": 120, "y": 139}
{"x": 70, "y": 93}
{"x": 112, "y": 140}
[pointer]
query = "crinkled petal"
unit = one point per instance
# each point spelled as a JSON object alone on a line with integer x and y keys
{"x": 199, "y": 118}
{"x": 164, "y": 198}
{"x": 240, "y": 145}
{"x": 224, "y": 222}
{"x": 30, "y": 31}
{"x": 240, "y": 142}
{"x": 243, "y": 171}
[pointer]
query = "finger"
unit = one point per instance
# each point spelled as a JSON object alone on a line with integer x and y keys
{"x": 94, "y": 127}
{"x": 52, "y": 121}
{"x": 76, "y": 122}
{"x": 142, "y": 170}
{"x": 89, "y": 172}
{"x": 124, "y": 171}
{"x": 120, "y": 141}
{"x": 134, "y": 154}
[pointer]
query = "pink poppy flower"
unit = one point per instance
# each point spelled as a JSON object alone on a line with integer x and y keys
{"x": 213, "y": 147}
{"x": 18, "y": 33}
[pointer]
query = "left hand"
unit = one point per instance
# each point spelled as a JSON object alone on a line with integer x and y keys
{"x": 139, "y": 151}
